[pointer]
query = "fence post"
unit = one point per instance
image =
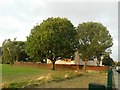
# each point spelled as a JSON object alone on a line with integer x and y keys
{"x": 109, "y": 79}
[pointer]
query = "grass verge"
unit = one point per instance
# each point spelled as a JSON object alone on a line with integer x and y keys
{"x": 26, "y": 77}
{"x": 55, "y": 76}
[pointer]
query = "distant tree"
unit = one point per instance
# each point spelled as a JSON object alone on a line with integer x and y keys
{"x": 108, "y": 61}
{"x": 7, "y": 49}
{"x": 5, "y": 55}
{"x": 53, "y": 38}
{"x": 19, "y": 50}
{"x": 13, "y": 51}
{"x": 94, "y": 39}
{"x": 118, "y": 63}
{"x": 0, "y": 51}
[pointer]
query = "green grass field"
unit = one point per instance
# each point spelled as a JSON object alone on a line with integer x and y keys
{"x": 14, "y": 73}
{"x": 16, "y": 76}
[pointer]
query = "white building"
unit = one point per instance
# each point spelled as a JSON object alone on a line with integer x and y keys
{"x": 68, "y": 61}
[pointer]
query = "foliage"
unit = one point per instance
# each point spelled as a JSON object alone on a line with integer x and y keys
{"x": 20, "y": 51}
{"x": 53, "y": 38}
{"x": 7, "y": 52}
{"x": 118, "y": 64}
{"x": 0, "y": 51}
{"x": 108, "y": 61}
{"x": 13, "y": 51}
{"x": 95, "y": 40}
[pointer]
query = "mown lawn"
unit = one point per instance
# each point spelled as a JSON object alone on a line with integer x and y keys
{"x": 14, "y": 73}
{"x": 16, "y": 76}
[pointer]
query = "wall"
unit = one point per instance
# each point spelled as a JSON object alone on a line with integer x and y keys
{"x": 59, "y": 66}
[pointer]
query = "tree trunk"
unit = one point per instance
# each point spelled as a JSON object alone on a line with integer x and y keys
{"x": 17, "y": 58}
{"x": 98, "y": 63}
{"x": 85, "y": 62}
{"x": 77, "y": 67}
{"x": 53, "y": 63}
{"x": 11, "y": 60}
{"x": 98, "y": 60}
{"x": 53, "y": 60}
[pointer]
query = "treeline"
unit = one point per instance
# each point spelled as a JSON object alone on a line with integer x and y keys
{"x": 57, "y": 38}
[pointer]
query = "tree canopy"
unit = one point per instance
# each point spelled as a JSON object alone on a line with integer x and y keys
{"x": 13, "y": 51}
{"x": 57, "y": 38}
{"x": 53, "y": 38}
{"x": 108, "y": 61}
{"x": 95, "y": 40}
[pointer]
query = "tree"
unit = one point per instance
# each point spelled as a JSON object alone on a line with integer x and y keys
{"x": 118, "y": 64}
{"x": 94, "y": 39}
{"x": 7, "y": 49}
{"x": 19, "y": 50}
{"x": 108, "y": 61}
{"x": 5, "y": 53}
{"x": 53, "y": 38}
{"x": 13, "y": 51}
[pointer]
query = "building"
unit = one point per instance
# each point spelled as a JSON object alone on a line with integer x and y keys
{"x": 66, "y": 61}
{"x": 69, "y": 61}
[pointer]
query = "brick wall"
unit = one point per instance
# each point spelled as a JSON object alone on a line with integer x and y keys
{"x": 60, "y": 66}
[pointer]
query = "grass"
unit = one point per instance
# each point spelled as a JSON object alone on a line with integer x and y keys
{"x": 19, "y": 77}
{"x": 13, "y": 73}
{"x": 16, "y": 76}
{"x": 76, "y": 80}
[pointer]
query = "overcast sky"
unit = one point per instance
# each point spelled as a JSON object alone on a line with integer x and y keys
{"x": 18, "y": 17}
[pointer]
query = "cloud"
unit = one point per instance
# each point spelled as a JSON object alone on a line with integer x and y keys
{"x": 78, "y": 12}
{"x": 25, "y": 11}
{"x": 18, "y": 17}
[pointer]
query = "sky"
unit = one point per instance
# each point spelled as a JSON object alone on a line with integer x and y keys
{"x": 18, "y": 17}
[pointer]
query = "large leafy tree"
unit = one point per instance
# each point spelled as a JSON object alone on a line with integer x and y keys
{"x": 53, "y": 38}
{"x": 95, "y": 40}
